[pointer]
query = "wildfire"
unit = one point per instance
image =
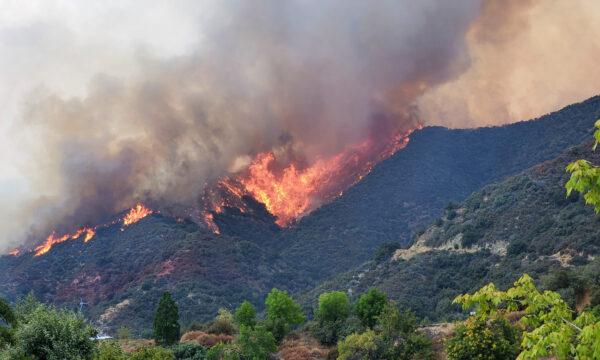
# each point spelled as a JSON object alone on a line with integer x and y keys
{"x": 15, "y": 252}
{"x": 87, "y": 233}
{"x": 290, "y": 191}
{"x": 136, "y": 214}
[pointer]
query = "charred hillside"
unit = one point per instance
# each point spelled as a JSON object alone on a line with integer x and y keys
{"x": 121, "y": 273}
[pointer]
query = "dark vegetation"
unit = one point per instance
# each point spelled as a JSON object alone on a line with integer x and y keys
{"x": 126, "y": 272}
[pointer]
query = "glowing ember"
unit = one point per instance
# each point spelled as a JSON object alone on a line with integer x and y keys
{"x": 136, "y": 214}
{"x": 87, "y": 233}
{"x": 209, "y": 220}
{"x": 290, "y": 191}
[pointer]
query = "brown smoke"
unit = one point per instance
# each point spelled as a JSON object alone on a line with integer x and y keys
{"x": 310, "y": 79}
{"x": 527, "y": 58}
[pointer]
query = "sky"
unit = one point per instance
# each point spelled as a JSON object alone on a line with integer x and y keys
{"x": 462, "y": 64}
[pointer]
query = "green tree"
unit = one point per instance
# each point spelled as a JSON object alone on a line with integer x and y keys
{"x": 256, "y": 343}
{"x": 166, "y": 321}
{"x": 223, "y": 323}
{"x": 48, "y": 333}
{"x": 400, "y": 338}
{"x": 585, "y": 177}
{"x": 369, "y": 306}
{"x": 551, "y": 330}
{"x": 282, "y": 313}
{"x": 331, "y": 315}
{"x": 487, "y": 340}
{"x": 189, "y": 351}
{"x": 245, "y": 314}
{"x": 7, "y": 316}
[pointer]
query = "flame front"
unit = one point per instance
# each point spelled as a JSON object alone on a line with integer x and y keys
{"x": 292, "y": 191}
{"x": 136, "y": 214}
{"x": 87, "y": 233}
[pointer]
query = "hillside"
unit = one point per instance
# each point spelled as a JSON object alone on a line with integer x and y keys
{"x": 120, "y": 274}
{"x": 409, "y": 190}
{"x": 524, "y": 224}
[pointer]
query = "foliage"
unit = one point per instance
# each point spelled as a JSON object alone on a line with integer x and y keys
{"x": 369, "y": 306}
{"x": 359, "y": 346}
{"x": 109, "y": 350}
{"x": 223, "y": 323}
{"x": 399, "y": 336}
{"x": 477, "y": 338}
{"x": 189, "y": 351}
{"x": 152, "y": 353}
{"x": 123, "y": 333}
{"x": 7, "y": 316}
{"x": 549, "y": 323}
{"x": 331, "y": 314}
{"x": 166, "y": 321}
{"x": 585, "y": 177}
{"x": 282, "y": 313}
{"x": 48, "y": 333}
{"x": 245, "y": 314}
{"x": 223, "y": 351}
{"x": 256, "y": 343}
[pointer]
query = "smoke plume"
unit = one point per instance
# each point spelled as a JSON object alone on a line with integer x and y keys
{"x": 301, "y": 79}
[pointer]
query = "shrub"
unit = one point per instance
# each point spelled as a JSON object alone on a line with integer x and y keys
{"x": 246, "y": 314}
{"x": 223, "y": 323}
{"x": 206, "y": 339}
{"x": 109, "y": 350}
{"x": 399, "y": 336}
{"x": 282, "y": 313}
{"x": 166, "y": 322}
{"x": 223, "y": 351}
{"x": 152, "y": 353}
{"x": 359, "y": 346}
{"x": 256, "y": 343}
{"x": 189, "y": 351}
{"x": 478, "y": 339}
{"x": 369, "y": 306}
{"x": 7, "y": 316}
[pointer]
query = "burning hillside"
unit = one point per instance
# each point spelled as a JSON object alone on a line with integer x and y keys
{"x": 290, "y": 190}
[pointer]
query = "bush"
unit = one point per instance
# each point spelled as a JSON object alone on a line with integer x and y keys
{"x": 189, "y": 351}
{"x": 109, "y": 350}
{"x": 223, "y": 351}
{"x": 48, "y": 333}
{"x": 399, "y": 336}
{"x": 152, "y": 353}
{"x": 282, "y": 313}
{"x": 359, "y": 346}
{"x": 223, "y": 323}
{"x": 166, "y": 322}
{"x": 246, "y": 314}
{"x": 369, "y": 306}
{"x": 256, "y": 343}
{"x": 206, "y": 339}
{"x": 478, "y": 339}
{"x": 9, "y": 320}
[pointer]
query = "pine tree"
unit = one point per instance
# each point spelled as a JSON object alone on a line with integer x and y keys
{"x": 166, "y": 321}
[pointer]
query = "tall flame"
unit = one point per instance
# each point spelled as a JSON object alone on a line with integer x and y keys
{"x": 136, "y": 214}
{"x": 291, "y": 191}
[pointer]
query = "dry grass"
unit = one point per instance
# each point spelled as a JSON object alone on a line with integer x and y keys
{"x": 302, "y": 347}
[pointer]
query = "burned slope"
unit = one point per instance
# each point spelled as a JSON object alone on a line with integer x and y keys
{"x": 410, "y": 189}
{"x": 524, "y": 224}
{"x": 121, "y": 273}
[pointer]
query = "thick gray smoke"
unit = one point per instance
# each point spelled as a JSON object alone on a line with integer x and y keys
{"x": 304, "y": 75}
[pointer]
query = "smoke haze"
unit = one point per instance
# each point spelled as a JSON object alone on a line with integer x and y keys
{"x": 156, "y": 111}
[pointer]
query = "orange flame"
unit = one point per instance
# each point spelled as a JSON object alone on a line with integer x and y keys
{"x": 209, "y": 220}
{"x": 15, "y": 252}
{"x": 136, "y": 214}
{"x": 291, "y": 192}
{"x": 52, "y": 240}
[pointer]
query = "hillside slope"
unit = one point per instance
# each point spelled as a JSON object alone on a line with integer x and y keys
{"x": 524, "y": 224}
{"x": 407, "y": 191}
{"x": 120, "y": 274}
